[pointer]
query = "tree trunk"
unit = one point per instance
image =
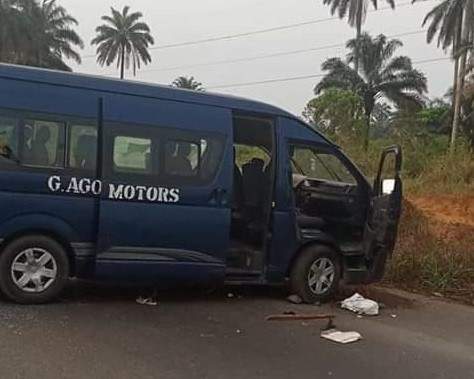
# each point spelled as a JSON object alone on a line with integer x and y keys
{"x": 460, "y": 82}
{"x": 357, "y": 52}
{"x": 122, "y": 62}
{"x": 456, "y": 42}
{"x": 455, "y": 81}
{"x": 367, "y": 133}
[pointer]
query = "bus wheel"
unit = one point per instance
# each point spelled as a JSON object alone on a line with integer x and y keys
{"x": 316, "y": 274}
{"x": 33, "y": 269}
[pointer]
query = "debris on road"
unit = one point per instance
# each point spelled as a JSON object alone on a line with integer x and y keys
{"x": 340, "y": 337}
{"x": 360, "y": 305}
{"x": 230, "y": 295}
{"x": 294, "y": 299}
{"x": 147, "y": 301}
{"x": 292, "y": 316}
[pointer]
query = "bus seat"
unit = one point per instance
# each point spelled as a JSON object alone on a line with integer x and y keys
{"x": 180, "y": 164}
{"x": 253, "y": 180}
{"x": 309, "y": 222}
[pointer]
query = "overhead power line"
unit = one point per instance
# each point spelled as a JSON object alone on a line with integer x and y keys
{"x": 293, "y": 78}
{"x": 266, "y": 56}
{"x": 256, "y": 32}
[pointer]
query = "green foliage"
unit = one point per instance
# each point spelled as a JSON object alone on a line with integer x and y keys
{"x": 37, "y": 33}
{"x": 336, "y": 112}
{"x": 436, "y": 115}
{"x": 433, "y": 115}
{"x": 125, "y": 39}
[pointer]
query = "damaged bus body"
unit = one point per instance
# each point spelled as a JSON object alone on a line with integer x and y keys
{"x": 126, "y": 181}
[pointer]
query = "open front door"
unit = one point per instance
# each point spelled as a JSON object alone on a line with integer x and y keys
{"x": 384, "y": 214}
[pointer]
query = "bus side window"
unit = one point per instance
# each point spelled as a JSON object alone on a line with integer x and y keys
{"x": 9, "y": 139}
{"x": 182, "y": 158}
{"x": 196, "y": 159}
{"x": 132, "y": 155}
{"x": 83, "y": 147}
{"x": 43, "y": 143}
{"x": 320, "y": 165}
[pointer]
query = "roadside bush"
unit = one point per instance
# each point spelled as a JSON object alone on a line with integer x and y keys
{"x": 428, "y": 166}
{"x": 433, "y": 256}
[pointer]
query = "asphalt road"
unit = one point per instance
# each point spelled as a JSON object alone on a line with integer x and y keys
{"x": 97, "y": 332}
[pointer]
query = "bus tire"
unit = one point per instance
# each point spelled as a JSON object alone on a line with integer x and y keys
{"x": 34, "y": 269}
{"x": 316, "y": 274}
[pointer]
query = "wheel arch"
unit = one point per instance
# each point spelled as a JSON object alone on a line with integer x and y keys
{"x": 314, "y": 242}
{"x": 47, "y": 226}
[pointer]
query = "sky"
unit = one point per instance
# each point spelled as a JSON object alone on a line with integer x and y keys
{"x": 180, "y": 21}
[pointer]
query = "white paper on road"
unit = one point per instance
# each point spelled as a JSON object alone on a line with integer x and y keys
{"x": 341, "y": 337}
{"x": 360, "y": 305}
{"x": 146, "y": 301}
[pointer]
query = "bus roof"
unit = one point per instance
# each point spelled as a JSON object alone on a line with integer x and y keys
{"x": 135, "y": 88}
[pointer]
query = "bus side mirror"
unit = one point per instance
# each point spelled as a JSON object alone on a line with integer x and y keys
{"x": 388, "y": 186}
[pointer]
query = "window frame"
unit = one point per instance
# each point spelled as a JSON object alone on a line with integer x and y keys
{"x": 360, "y": 181}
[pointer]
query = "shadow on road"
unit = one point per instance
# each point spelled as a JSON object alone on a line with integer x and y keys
{"x": 92, "y": 292}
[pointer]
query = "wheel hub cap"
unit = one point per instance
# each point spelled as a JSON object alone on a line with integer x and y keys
{"x": 34, "y": 270}
{"x": 321, "y": 276}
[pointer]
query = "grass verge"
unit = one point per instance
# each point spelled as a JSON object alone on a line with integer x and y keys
{"x": 433, "y": 255}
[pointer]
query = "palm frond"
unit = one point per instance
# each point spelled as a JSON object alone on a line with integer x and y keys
{"x": 340, "y": 75}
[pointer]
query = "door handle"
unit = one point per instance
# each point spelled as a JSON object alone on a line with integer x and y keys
{"x": 219, "y": 196}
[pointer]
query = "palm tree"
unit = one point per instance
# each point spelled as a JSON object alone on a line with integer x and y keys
{"x": 382, "y": 76}
{"x": 52, "y": 36}
{"x": 453, "y": 22}
{"x": 356, "y": 11}
{"x": 187, "y": 83}
{"x": 37, "y": 34}
{"x": 125, "y": 39}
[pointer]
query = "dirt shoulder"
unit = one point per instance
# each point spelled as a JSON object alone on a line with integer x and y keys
{"x": 450, "y": 209}
{"x": 435, "y": 249}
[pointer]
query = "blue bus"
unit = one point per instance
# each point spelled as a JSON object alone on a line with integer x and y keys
{"x": 124, "y": 181}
